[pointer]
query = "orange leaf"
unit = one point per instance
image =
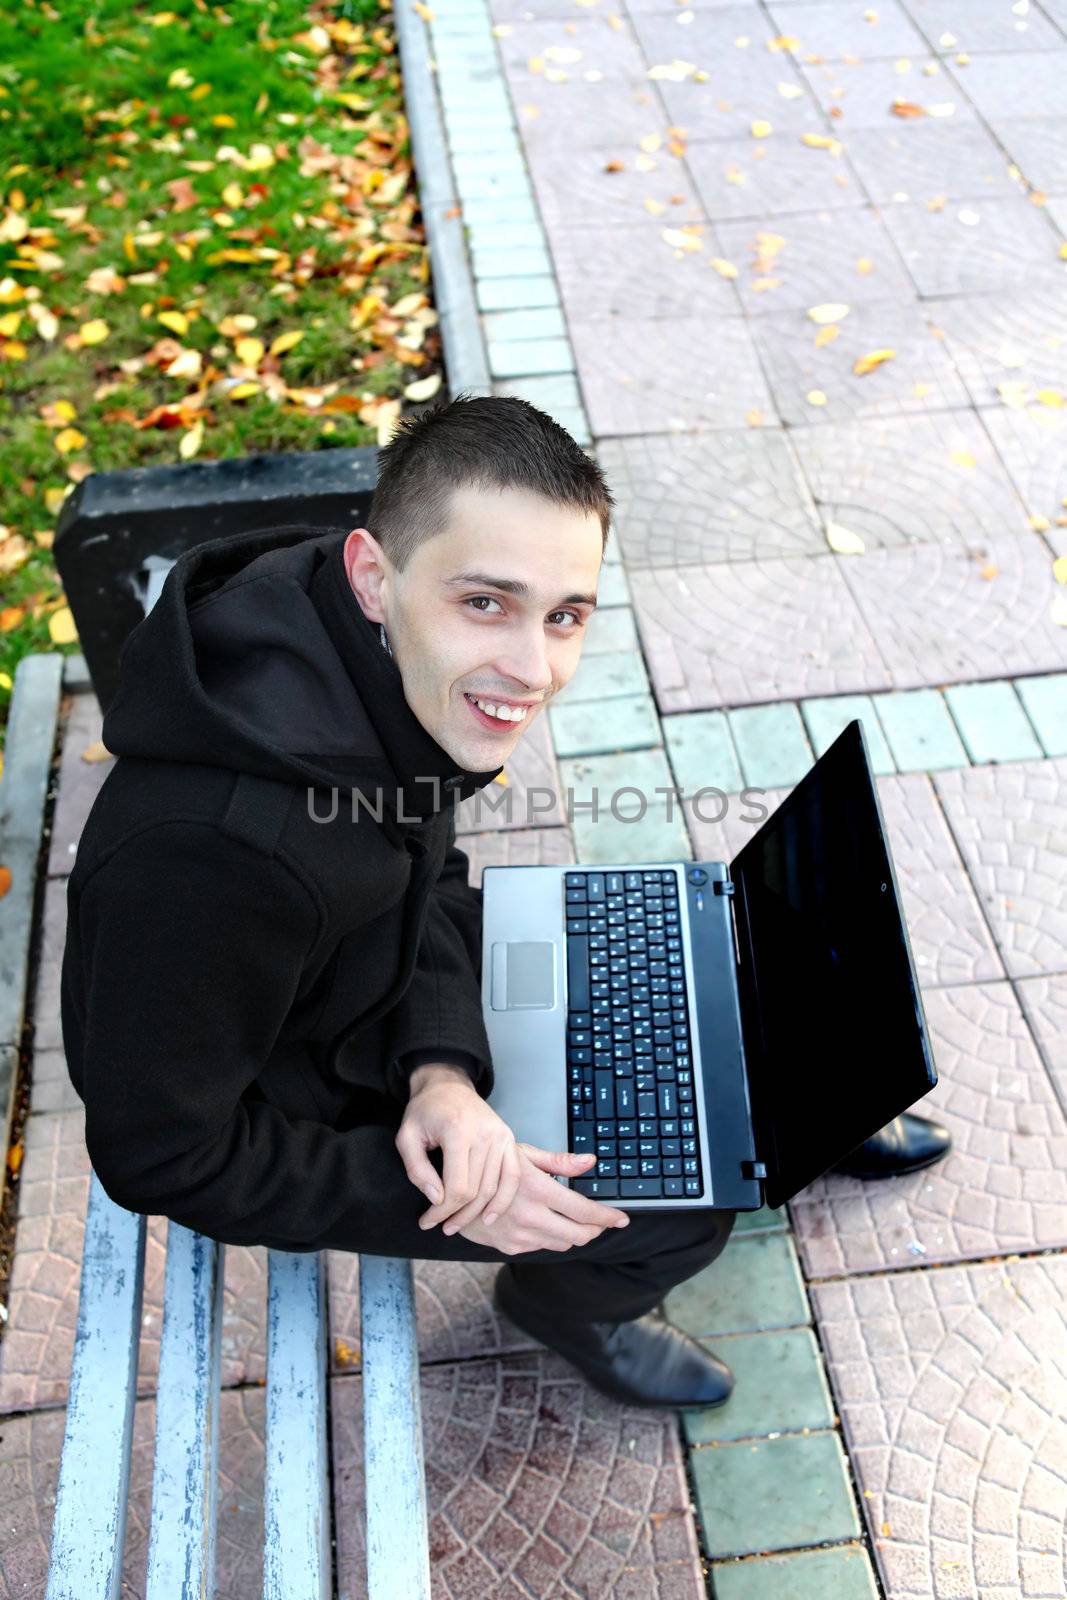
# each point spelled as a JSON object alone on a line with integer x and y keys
{"x": 5, "y": 881}
{"x": 14, "y": 1157}
{"x": 906, "y": 108}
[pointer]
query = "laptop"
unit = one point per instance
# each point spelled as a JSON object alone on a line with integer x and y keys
{"x": 718, "y": 1033}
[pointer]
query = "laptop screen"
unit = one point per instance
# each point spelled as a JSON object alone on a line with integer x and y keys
{"x": 835, "y": 1037}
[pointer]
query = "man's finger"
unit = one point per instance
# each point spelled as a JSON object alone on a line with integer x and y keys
{"x": 419, "y": 1168}
{"x": 508, "y": 1187}
{"x": 455, "y": 1152}
{"x": 487, "y": 1185}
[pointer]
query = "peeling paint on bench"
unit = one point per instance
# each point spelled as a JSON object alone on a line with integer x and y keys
{"x": 296, "y": 1558}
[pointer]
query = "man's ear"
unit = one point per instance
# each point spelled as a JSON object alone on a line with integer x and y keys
{"x": 366, "y": 564}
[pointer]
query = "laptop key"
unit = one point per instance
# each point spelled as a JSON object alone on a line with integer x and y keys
{"x": 641, "y": 1188}
{"x": 578, "y": 973}
{"x": 673, "y": 1186}
{"x": 597, "y": 1188}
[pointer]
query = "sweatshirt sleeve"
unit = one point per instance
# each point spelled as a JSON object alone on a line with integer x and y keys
{"x": 439, "y": 1016}
{"x": 192, "y": 947}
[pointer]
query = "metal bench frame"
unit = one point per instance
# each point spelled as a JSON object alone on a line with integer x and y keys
{"x": 90, "y": 1517}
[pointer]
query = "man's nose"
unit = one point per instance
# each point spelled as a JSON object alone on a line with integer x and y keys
{"x": 526, "y": 662}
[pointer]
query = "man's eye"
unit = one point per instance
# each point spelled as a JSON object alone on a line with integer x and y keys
{"x": 574, "y": 614}
{"x": 474, "y": 599}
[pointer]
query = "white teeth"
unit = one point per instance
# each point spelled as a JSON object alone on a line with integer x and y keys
{"x": 505, "y": 713}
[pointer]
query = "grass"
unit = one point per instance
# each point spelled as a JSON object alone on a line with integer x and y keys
{"x": 162, "y": 172}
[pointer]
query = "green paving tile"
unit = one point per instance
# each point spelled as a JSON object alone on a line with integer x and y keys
{"x": 606, "y": 675}
{"x": 505, "y": 294}
{"x": 779, "y": 1387}
{"x": 513, "y": 358}
{"x": 507, "y": 263}
{"x": 1045, "y": 700}
{"x": 826, "y": 718}
{"x": 701, "y": 750}
{"x": 628, "y": 722}
{"x": 771, "y": 745}
{"x": 754, "y": 1285}
{"x": 612, "y": 629}
{"x": 655, "y": 836}
{"x": 758, "y": 1221}
{"x": 843, "y": 1574}
{"x": 920, "y": 731}
{"x": 507, "y": 208}
{"x": 612, "y": 588}
{"x": 525, "y": 323}
{"x": 992, "y": 722}
{"x": 556, "y": 394}
{"x": 492, "y": 236}
{"x": 777, "y": 1494}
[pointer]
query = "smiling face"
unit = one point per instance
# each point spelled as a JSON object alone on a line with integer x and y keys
{"x": 493, "y": 609}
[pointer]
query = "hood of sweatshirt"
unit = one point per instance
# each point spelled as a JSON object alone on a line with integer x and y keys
{"x": 258, "y": 657}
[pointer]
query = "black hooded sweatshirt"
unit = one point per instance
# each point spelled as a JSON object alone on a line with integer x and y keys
{"x": 269, "y": 924}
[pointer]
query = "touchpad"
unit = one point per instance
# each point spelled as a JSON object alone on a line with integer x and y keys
{"x": 524, "y": 975}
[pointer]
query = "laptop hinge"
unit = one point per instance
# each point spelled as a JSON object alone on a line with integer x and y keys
{"x": 753, "y": 1169}
{"x": 724, "y": 886}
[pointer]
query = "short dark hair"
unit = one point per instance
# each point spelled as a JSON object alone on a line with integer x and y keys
{"x": 484, "y": 441}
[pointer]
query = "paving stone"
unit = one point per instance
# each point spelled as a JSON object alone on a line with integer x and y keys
{"x": 644, "y": 826}
{"x": 950, "y": 1388}
{"x": 826, "y": 719}
{"x": 52, "y": 935}
{"x": 516, "y": 847}
{"x": 1008, "y": 823}
{"x": 654, "y": 376}
{"x": 1044, "y": 1001}
{"x": 605, "y": 676}
{"x": 779, "y": 1387}
{"x": 1000, "y": 84}
{"x": 920, "y": 731}
{"x": 526, "y": 799}
{"x": 834, "y": 31}
{"x": 921, "y": 378}
{"x": 1057, "y": 11}
{"x": 1011, "y": 244}
{"x": 1003, "y": 1185}
{"x": 513, "y": 358}
{"x": 757, "y": 1221}
{"x": 992, "y": 722}
{"x": 517, "y": 294}
{"x": 468, "y": 135}
{"x": 494, "y": 236}
{"x": 607, "y": 272}
{"x": 845, "y": 1572}
{"x": 749, "y": 631}
{"x": 614, "y": 115}
{"x": 38, "y": 1343}
{"x": 80, "y": 781}
{"x": 755, "y": 1285}
{"x": 981, "y": 25}
{"x": 862, "y": 94}
{"x": 678, "y": 502}
{"x": 536, "y": 1485}
{"x": 701, "y": 750}
{"x": 503, "y": 167}
{"x": 558, "y": 395}
{"x": 1032, "y": 443}
{"x": 510, "y": 263}
{"x": 816, "y": 263}
{"x": 720, "y": 825}
{"x": 577, "y": 188}
{"x": 1045, "y": 700}
{"x": 1006, "y": 338}
{"x": 30, "y": 1450}
{"x": 609, "y": 631}
{"x": 1037, "y": 145}
{"x": 525, "y": 323}
{"x": 729, "y": 45}
{"x": 1057, "y": 211}
{"x": 766, "y": 178}
{"x": 627, "y": 723}
{"x": 773, "y": 1495}
{"x": 936, "y": 619}
{"x": 611, "y": 52}
{"x": 51, "y": 1088}
{"x": 519, "y": 209}
{"x": 612, "y": 588}
{"x": 927, "y": 160}
{"x": 771, "y": 744}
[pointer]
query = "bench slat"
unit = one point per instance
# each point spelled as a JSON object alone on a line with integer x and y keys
{"x": 90, "y": 1521}
{"x": 181, "y": 1550}
{"x": 398, "y": 1560}
{"x": 296, "y": 1559}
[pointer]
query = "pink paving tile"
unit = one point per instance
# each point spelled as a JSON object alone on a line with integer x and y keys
{"x": 950, "y": 1388}
{"x": 536, "y": 1486}
{"x": 606, "y": 272}
{"x": 745, "y": 631}
{"x": 53, "y": 933}
{"x": 532, "y": 766}
{"x": 949, "y": 937}
{"x": 38, "y": 1341}
{"x": 583, "y": 187}
{"x": 1003, "y": 1186}
{"x": 1008, "y": 822}
{"x": 516, "y": 847}
{"x": 80, "y": 781}
{"x": 1044, "y": 1001}
{"x": 29, "y": 1471}
{"x": 937, "y": 619}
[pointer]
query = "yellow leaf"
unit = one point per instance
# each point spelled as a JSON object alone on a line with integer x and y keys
{"x": 962, "y": 458}
{"x": 678, "y": 239}
{"x": 176, "y": 321}
{"x": 233, "y": 196}
{"x": 387, "y": 418}
{"x": 501, "y": 778}
{"x": 94, "y": 332}
{"x": 186, "y": 364}
{"x": 1059, "y": 610}
{"x": 725, "y": 269}
{"x": 423, "y": 388}
{"x": 843, "y": 541}
{"x": 1050, "y": 397}
{"x": 61, "y": 629}
{"x": 285, "y": 341}
{"x": 97, "y": 751}
{"x": 249, "y": 351}
{"x": 1063, "y": 252}
{"x": 9, "y": 325}
{"x": 14, "y": 1157}
{"x": 826, "y": 336}
{"x": 816, "y": 397}
{"x": 832, "y": 312}
{"x": 69, "y": 439}
{"x": 989, "y": 572}
{"x": 868, "y": 363}
{"x": 1040, "y": 524}
{"x": 14, "y": 350}
{"x": 760, "y": 129}
{"x": 1059, "y": 569}
{"x": 6, "y": 680}
{"x": 784, "y": 41}
{"x": 180, "y": 78}
{"x": 243, "y": 391}
{"x": 821, "y": 141}
{"x": 424, "y": 11}
{"x": 191, "y": 441}
{"x": 864, "y": 265}
{"x": 243, "y": 322}
{"x": 54, "y": 498}
{"x": 754, "y": 419}
{"x": 200, "y": 91}
{"x": 259, "y": 158}
{"x": 1013, "y": 393}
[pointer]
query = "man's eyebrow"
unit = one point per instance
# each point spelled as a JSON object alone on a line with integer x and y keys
{"x": 514, "y": 586}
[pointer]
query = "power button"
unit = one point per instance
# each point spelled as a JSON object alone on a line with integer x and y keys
{"x": 697, "y": 875}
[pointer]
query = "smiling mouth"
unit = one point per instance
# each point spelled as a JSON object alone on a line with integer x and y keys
{"x": 493, "y": 713}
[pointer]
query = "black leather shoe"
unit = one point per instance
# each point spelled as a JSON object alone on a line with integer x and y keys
{"x": 644, "y": 1362}
{"x": 907, "y": 1144}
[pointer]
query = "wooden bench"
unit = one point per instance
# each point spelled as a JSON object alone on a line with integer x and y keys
{"x": 90, "y": 1516}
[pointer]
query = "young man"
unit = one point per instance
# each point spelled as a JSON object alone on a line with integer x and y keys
{"x": 271, "y": 984}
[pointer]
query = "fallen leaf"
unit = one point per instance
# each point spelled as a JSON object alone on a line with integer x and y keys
{"x": 678, "y": 239}
{"x": 61, "y": 629}
{"x": 244, "y": 391}
{"x": 843, "y": 541}
{"x": 1050, "y": 397}
{"x": 906, "y": 108}
{"x": 826, "y": 336}
{"x": 1040, "y": 524}
{"x": 15, "y": 551}
{"x": 869, "y": 362}
{"x": 15, "y": 1154}
{"x": 760, "y": 129}
{"x": 864, "y": 265}
{"x": 831, "y": 312}
{"x": 190, "y": 442}
{"x": 754, "y": 419}
{"x": 816, "y": 397}
{"x": 1059, "y": 610}
{"x": 423, "y": 388}
{"x": 67, "y": 440}
{"x": 1059, "y": 569}
{"x": 962, "y": 458}
{"x": 249, "y": 352}
{"x": 822, "y": 141}
{"x": 97, "y": 751}
{"x": 989, "y": 572}
{"x": 286, "y": 342}
{"x": 176, "y": 321}
{"x": 725, "y": 269}
{"x": 94, "y": 332}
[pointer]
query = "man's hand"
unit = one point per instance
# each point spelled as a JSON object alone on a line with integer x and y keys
{"x": 481, "y": 1163}
{"x": 544, "y": 1215}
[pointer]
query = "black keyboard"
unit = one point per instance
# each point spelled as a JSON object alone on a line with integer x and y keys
{"x": 629, "y": 1063}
